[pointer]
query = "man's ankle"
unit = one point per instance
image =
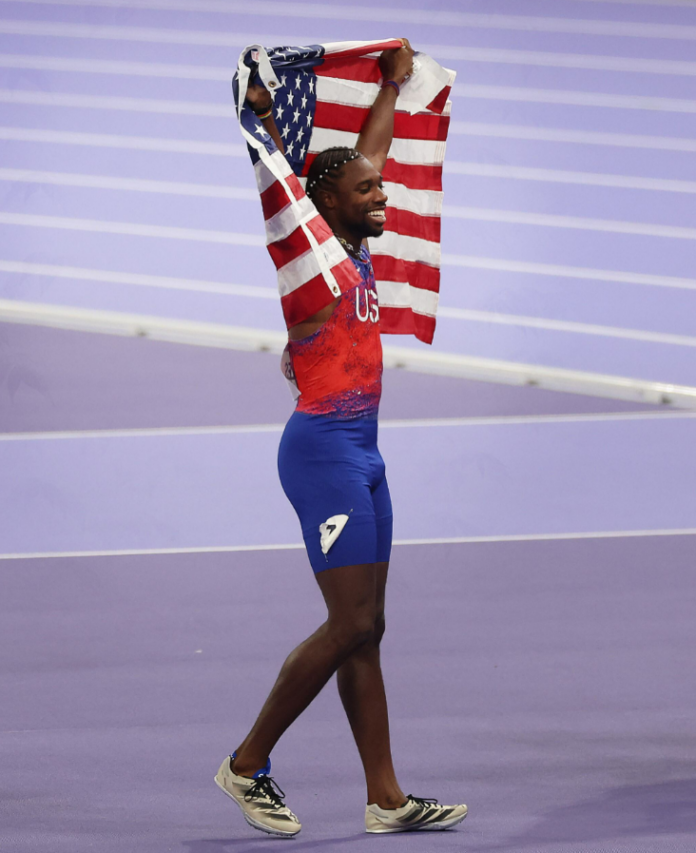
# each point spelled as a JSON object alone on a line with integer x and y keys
{"x": 389, "y": 801}
{"x": 243, "y": 767}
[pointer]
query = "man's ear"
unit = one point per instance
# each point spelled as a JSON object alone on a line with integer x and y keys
{"x": 326, "y": 199}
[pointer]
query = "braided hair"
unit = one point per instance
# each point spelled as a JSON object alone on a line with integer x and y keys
{"x": 327, "y": 169}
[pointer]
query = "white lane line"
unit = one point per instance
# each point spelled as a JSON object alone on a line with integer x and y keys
{"x": 324, "y": 11}
{"x": 405, "y": 358}
{"x": 117, "y": 67}
{"x": 221, "y": 110}
{"x": 546, "y": 59}
{"x": 567, "y": 326}
{"x": 251, "y": 291}
{"x": 688, "y": 4}
{"x": 103, "y": 102}
{"x": 480, "y": 170}
{"x": 105, "y": 182}
{"x": 572, "y": 137}
{"x": 476, "y": 214}
{"x": 136, "y": 143}
{"x": 137, "y": 279}
{"x": 542, "y": 59}
{"x": 202, "y": 286}
{"x": 452, "y": 540}
{"x": 460, "y": 128}
{"x": 131, "y": 229}
{"x": 154, "y": 35}
{"x": 558, "y": 176}
{"x": 544, "y": 220}
{"x": 559, "y": 271}
{"x": 414, "y": 423}
{"x": 574, "y": 99}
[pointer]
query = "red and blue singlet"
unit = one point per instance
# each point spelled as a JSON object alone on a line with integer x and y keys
{"x": 338, "y": 369}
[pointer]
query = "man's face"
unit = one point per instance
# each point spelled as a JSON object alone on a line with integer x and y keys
{"x": 358, "y": 200}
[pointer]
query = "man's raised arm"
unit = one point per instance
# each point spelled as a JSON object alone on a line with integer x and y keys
{"x": 375, "y": 138}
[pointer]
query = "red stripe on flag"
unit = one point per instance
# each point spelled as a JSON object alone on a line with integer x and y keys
{"x": 425, "y": 327}
{"x": 296, "y": 244}
{"x": 413, "y": 176}
{"x": 437, "y": 105}
{"x": 396, "y": 321}
{"x": 417, "y": 274}
{"x": 410, "y": 175}
{"x": 413, "y": 224}
{"x": 315, "y": 294}
{"x": 319, "y": 227}
{"x": 359, "y": 68}
{"x": 291, "y": 247}
{"x": 275, "y": 197}
{"x": 352, "y": 119}
{"x": 403, "y": 321}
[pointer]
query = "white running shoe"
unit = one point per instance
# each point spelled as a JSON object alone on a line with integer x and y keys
{"x": 260, "y": 800}
{"x": 417, "y": 814}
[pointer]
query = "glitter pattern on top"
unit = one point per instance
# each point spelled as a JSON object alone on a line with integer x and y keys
{"x": 338, "y": 369}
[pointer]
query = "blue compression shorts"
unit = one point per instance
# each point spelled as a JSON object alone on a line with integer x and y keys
{"x": 333, "y": 475}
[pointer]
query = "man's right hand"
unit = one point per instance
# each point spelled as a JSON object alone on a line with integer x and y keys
{"x": 397, "y": 64}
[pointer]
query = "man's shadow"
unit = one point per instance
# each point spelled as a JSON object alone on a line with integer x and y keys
{"x": 236, "y": 845}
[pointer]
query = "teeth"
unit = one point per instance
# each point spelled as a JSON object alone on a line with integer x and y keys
{"x": 377, "y": 214}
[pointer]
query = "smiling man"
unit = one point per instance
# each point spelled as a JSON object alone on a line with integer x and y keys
{"x": 334, "y": 476}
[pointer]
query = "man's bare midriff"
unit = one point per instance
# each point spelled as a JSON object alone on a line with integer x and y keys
{"x": 313, "y": 324}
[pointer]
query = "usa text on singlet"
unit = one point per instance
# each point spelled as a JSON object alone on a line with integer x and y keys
{"x": 338, "y": 369}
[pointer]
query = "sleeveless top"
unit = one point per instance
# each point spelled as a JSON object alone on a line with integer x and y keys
{"x": 338, "y": 369}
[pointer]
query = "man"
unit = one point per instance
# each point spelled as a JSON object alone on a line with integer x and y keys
{"x": 333, "y": 474}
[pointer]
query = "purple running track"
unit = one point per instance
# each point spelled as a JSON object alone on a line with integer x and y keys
{"x": 547, "y": 684}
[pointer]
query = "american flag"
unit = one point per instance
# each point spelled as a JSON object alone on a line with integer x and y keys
{"x": 322, "y": 95}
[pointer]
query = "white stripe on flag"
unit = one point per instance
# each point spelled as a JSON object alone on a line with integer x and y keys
{"x": 264, "y": 176}
{"x": 398, "y": 294}
{"x": 420, "y": 152}
{"x": 306, "y": 267}
{"x": 422, "y": 202}
{"x": 335, "y": 91}
{"x": 406, "y": 248}
{"x": 287, "y": 220}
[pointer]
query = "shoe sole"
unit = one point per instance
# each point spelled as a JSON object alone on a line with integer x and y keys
{"x": 426, "y": 827}
{"x": 277, "y": 832}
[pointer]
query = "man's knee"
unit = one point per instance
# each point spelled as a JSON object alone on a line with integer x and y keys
{"x": 378, "y": 629}
{"x": 353, "y": 632}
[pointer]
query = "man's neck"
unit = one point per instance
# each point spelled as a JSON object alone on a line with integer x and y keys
{"x": 348, "y": 240}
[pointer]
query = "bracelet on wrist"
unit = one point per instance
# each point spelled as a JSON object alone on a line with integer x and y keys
{"x": 264, "y": 112}
{"x": 392, "y": 83}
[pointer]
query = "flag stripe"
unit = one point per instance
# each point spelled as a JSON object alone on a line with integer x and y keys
{"x": 408, "y": 248}
{"x": 425, "y": 202}
{"x": 395, "y": 294}
{"x": 356, "y": 48}
{"x": 300, "y": 303}
{"x": 426, "y": 152}
{"x": 414, "y": 176}
{"x": 281, "y": 226}
{"x": 351, "y": 119}
{"x": 297, "y": 242}
{"x": 296, "y": 272}
{"x": 413, "y": 224}
{"x": 388, "y": 268}
{"x": 360, "y": 68}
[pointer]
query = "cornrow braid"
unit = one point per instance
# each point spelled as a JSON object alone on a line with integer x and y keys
{"x": 327, "y": 168}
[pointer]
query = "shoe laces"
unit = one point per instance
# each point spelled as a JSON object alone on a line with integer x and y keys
{"x": 422, "y": 801}
{"x": 267, "y": 787}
